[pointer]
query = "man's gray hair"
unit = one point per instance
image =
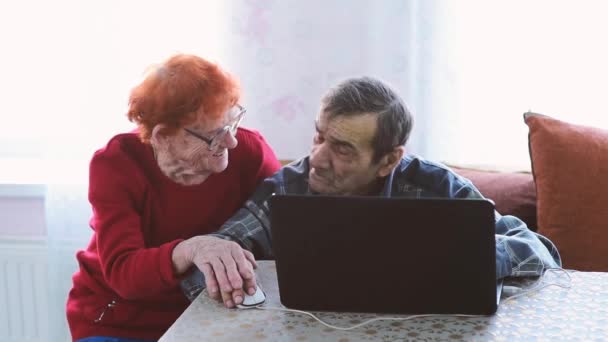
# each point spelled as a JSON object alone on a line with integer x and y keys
{"x": 363, "y": 95}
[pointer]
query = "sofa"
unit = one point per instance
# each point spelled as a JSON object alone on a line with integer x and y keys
{"x": 513, "y": 193}
{"x": 565, "y": 197}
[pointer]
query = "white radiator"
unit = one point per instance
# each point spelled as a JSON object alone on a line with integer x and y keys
{"x": 23, "y": 291}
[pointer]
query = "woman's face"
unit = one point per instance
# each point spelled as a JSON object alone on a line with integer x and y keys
{"x": 199, "y": 149}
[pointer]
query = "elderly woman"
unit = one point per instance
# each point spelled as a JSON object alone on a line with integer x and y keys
{"x": 182, "y": 173}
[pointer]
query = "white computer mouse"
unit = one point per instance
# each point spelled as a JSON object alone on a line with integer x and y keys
{"x": 252, "y": 301}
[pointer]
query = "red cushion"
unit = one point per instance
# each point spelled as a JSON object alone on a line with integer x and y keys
{"x": 513, "y": 193}
{"x": 570, "y": 166}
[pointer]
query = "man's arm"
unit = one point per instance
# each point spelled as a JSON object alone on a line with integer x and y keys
{"x": 521, "y": 252}
{"x": 250, "y": 228}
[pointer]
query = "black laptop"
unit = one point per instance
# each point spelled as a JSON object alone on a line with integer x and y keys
{"x": 385, "y": 255}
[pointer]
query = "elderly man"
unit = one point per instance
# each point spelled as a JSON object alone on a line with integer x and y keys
{"x": 358, "y": 149}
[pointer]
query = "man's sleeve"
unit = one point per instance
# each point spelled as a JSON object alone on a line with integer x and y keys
{"x": 520, "y": 252}
{"x": 249, "y": 227}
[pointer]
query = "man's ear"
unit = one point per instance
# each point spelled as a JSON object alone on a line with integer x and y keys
{"x": 390, "y": 160}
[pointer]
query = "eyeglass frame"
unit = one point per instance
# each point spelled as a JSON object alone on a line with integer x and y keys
{"x": 214, "y": 142}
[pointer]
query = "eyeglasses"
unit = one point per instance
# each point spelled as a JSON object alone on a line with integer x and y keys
{"x": 214, "y": 141}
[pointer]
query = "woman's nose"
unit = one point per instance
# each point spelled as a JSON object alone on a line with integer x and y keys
{"x": 230, "y": 140}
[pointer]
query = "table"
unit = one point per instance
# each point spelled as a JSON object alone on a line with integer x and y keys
{"x": 578, "y": 313}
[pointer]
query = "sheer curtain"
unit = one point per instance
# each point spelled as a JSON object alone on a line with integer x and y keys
{"x": 491, "y": 61}
{"x": 288, "y": 53}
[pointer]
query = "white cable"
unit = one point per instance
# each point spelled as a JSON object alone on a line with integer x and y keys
{"x": 363, "y": 323}
{"x": 538, "y": 285}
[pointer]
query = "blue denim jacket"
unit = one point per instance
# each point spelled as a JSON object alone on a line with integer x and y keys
{"x": 519, "y": 251}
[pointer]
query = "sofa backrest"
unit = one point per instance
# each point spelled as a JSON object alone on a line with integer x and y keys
{"x": 513, "y": 193}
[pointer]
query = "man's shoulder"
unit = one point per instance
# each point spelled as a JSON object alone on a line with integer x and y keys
{"x": 414, "y": 165}
{"x": 291, "y": 178}
{"x": 427, "y": 175}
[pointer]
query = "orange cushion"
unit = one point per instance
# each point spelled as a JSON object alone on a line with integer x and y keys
{"x": 570, "y": 167}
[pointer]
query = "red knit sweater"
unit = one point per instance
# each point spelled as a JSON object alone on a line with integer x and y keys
{"x": 139, "y": 215}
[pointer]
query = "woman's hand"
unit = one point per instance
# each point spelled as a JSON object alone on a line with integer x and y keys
{"x": 227, "y": 267}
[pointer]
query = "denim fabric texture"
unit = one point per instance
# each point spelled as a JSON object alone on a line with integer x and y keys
{"x": 193, "y": 284}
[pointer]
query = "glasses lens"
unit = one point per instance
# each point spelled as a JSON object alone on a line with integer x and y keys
{"x": 215, "y": 143}
{"x": 230, "y": 129}
{"x": 237, "y": 122}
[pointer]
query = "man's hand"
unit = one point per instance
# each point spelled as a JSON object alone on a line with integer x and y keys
{"x": 228, "y": 268}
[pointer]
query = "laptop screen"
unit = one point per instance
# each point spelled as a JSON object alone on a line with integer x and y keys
{"x": 376, "y": 254}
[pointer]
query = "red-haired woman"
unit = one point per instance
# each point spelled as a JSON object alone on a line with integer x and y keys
{"x": 154, "y": 191}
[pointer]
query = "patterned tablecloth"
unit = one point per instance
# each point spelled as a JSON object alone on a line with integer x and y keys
{"x": 577, "y": 313}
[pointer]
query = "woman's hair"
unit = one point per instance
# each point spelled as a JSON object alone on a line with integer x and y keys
{"x": 173, "y": 93}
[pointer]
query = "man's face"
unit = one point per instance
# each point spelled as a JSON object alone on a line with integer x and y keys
{"x": 341, "y": 157}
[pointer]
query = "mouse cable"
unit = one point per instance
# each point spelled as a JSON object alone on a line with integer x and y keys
{"x": 536, "y": 287}
{"x": 540, "y": 284}
{"x": 363, "y": 323}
